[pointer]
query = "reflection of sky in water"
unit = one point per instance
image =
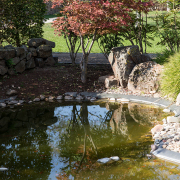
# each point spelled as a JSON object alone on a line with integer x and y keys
{"x": 64, "y": 113}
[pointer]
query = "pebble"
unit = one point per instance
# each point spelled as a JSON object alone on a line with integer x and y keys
{"x": 169, "y": 136}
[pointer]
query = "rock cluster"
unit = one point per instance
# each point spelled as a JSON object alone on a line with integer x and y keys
{"x": 167, "y": 135}
{"x": 133, "y": 70}
{"x": 18, "y": 59}
{"x": 11, "y": 102}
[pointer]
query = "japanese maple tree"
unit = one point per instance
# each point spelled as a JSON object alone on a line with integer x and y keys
{"x": 93, "y": 17}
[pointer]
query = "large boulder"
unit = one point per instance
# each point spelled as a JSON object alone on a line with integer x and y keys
{"x": 123, "y": 60}
{"x": 144, "y": 78}
{"x": 44, "y": 51}
{"x": 7, "y": 53}
{"x": 36, "y": 42}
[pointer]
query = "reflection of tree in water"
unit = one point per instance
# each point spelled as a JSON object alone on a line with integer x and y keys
{"x": 27, "y": 156}
{"x": 83, "y": 143}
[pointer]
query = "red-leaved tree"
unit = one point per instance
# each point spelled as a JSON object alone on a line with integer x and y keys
{"x": 93, "y": 17}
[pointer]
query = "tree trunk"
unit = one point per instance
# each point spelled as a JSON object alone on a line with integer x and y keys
{"x": 84, "y": 68}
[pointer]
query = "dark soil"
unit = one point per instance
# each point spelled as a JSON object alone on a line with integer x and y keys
{"x": 53, "y": 81}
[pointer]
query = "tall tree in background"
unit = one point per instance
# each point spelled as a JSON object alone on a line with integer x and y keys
{"x": 90, "y": 18}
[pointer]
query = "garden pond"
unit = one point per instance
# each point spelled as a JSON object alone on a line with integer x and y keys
{"x": 64, "y": 141}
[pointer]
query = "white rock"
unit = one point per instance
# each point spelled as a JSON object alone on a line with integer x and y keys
{"x": 36, "y": 100}
{"x": 79, "y": 98}
{"x": 112, "y": 99}
{"x": 59, "y": 97}
{"x": 178, "y": 100}
{"x": 68, "y": 97}
{"x": 13, "y": 102}
{"x": 166, "y": 110}
{"x": 3, "y": 169}
{"x": 123, "y": 100}
{"x": 42, "y": 97}
{"x": 172, "y": 119}
{"x": 104, "y": 160}
{"x": 21, "y": 101}
{"x": 115, "y": 158}
{"x": 93, "y": 99}
{"x": 2, "y": 105}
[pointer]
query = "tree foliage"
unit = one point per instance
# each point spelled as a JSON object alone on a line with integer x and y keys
{"x": 21, "y": 20}
{"x": 90, "y": 18}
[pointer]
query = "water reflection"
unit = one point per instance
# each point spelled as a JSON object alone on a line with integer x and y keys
{"x": 65, "y": 142}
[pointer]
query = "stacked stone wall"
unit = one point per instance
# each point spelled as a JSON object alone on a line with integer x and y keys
{"x": 37, "y": 53}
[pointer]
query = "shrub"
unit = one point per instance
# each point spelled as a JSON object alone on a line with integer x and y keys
{"x": 170, "y": 78}
{"x": 21, "y": 20}
{"x": 163, "y": 58}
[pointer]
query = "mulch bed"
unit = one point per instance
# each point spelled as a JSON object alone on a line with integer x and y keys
{"x": 53, "y": 81}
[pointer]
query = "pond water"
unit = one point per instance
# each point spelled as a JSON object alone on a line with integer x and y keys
{"x": 65, "y": 141}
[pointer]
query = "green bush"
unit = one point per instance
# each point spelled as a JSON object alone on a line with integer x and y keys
{"x": 163, "y": 57}
{"x": 21, "y": 20}
{"x": 170, "y": 78}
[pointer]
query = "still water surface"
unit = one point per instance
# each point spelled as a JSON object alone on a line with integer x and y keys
{"x": 65, "y": 142}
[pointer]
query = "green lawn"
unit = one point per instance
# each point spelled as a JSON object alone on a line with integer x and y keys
{"x": 62, "y": 47}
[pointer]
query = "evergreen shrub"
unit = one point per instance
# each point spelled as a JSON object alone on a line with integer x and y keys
{"x": 170, "y": 77}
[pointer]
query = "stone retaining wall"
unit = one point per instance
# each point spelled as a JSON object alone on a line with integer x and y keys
{"x": 37, "y": 53}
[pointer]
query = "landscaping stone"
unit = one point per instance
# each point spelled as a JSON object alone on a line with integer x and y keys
{"x": 33, "y": 51}
{"x": 3, "y": 70}
{"x": 12, "y": 102}
{"x": 178, "y": 100}
{"x": 30, "y": 63}
{"x": 109, "y": 82}
{"x": 28, "y": 56}
{"x": 15, "y": 60}
{"x": 39, "y": 62}
{"x": 9, "y": 54}
{"x": 42, "y": 97}
{"x": 68, "y": 97}
{"x": 2, "y": 63}
{"x": 19, "y": 51}
{"x": 79, "y": 98}
{"x": 50, "y": 61}
{"x": 36, "y": 100}
{"x": 20, "y": 67}
{"x": 157, "y": 128}
{"x": 101, "y": 79}
{"x": 44, "y": 51}
{"x": 123, "y": 60}
{"x": 2, "y": 105}
{"x": 172, "y": 119}
{"x": 36, "y": 42}
{"x": 59, "y": 97}
{"x": 144, "y": 77}
{"x": 11, "y": 92}
{"x": 11, "y": 71}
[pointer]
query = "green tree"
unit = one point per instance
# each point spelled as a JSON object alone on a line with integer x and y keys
{"x": 21, "y": 20}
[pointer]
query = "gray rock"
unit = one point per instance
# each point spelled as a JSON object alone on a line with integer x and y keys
{"x": 30, "y": 63}
{"x": 19, "y": 51}
{"x": 11, "y": 71}
{"x": 50, "y": 61}
{"x": 8, "y": 47}
{"x": 3, "y": 70}
{"x": 39, "y": 62}
{"x": 20, "y": 67}
{"x": 11, "y": 92}
{"x": 42, "y": 97}
{"x": 59, "y": 97}
{"x": 123, "y": 60}
{"x": 12, "y": 102}
{"x": 74, "y": 94}
{"x": 111, "y": 83}
{"x": 15, "y": 60}
{"x": 9, "y": 53}
{"x": 144, "y": 77}
{"x": 79, "y": 98}
{"x": 51, "y": 98}
{"x": 44, "y": 51}
{"x": 33, "y": 51}
{"x": 68, "y": 97}
{"x": 36, "y": 42}
{"x": 36, "y": 100}
{"x": 2, "y": 62}
{"x": 28, "y": 56}
{"x": 2, "y": 105}
{"x": 101, "y": 79}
